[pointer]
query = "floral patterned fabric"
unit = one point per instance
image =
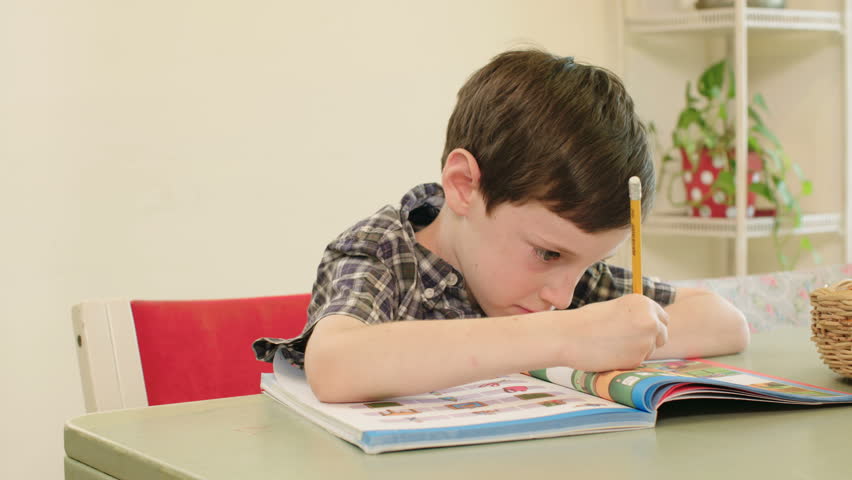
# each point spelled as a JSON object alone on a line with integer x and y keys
{"x": 773, "y": 300}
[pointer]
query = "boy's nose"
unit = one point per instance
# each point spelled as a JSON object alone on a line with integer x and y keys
{"x": 557, "y": 300}
{"x": 560, "y": 291}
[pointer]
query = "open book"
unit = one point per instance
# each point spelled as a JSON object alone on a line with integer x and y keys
{"x": 546, "y": 403}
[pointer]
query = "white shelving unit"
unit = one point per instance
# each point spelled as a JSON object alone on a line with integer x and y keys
{"x": 736, "y": 22}
{"x": 726, "y": 19}
{"x": 678, "y": 223}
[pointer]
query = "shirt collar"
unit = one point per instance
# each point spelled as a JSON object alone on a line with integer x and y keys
{"x": 424, "y": 194}
{"x": 436, "y": 274}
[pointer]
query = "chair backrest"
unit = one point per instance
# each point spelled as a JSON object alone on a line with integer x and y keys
{"x": 143, "y": 352}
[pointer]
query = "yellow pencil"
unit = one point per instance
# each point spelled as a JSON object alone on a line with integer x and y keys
{"x": 635, "y": 189}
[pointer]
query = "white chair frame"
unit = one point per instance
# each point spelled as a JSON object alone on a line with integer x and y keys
{"x": 108, "y": 355}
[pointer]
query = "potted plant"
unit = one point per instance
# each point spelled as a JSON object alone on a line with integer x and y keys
{"x": 704, "y": 141}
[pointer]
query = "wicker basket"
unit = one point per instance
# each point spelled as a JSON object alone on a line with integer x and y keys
{"x": 831, "y": 324}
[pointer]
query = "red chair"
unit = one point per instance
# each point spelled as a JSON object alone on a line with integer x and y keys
{"x": 142, "y": 352}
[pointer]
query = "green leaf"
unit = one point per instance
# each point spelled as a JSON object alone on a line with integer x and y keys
{"x": 691, "y": 151}
{"x": 797, "y": 218}
{"x": 758, "y": 100}
{"x": 805, "y": 244}
{"x": 690, "y": 100}
{"x": 762, "y": 189}
{"x": 709, "y": 138}
{"x": 715, "y": 91}
{"x": 710, "y": 82}
{"x": 732, "y": 84}
{"x": 797, "y": 170}
{"x": 688, "y": 117}
{"x": 756, "y": 118}
{"x": 787, "y": 161}
{"x": 725, "y": 183}
{"x": 754, "y": 145}
{"x": 784, "y": 192}
{"x": 777, "y": 162}
{"x": 761, "y": 129}
{"x": 723, "y": 112}
{"x": 807, "y": 188}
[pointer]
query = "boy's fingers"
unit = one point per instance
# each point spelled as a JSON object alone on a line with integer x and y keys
{"x": 662, "y": 334}
{"x": 662, "y": 314}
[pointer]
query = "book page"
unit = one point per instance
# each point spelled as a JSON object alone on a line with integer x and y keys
{"x": 715, "y": 372}
{"x": 506, "y": 398}
{"x": 653, "y": 382}
{"x": 614, "y": 385}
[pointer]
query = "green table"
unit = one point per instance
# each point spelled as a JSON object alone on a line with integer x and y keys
{"x": 256, "y": 437}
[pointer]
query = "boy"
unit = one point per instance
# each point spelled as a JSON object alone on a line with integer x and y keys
{"x": 504, "y": 258}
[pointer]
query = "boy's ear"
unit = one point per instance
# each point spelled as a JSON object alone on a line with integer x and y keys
{"x": 460, "y": 179}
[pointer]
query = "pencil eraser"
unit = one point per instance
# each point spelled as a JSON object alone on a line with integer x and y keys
{"x": 635, "y": 187}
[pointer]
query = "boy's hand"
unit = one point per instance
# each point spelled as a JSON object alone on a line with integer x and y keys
{"x": 617, "y": 334}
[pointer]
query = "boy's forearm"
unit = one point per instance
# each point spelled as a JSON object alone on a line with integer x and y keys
{"x": 359, "y": 362}
{"x": 348, "y": 361}
{"x": 703, "y": 324}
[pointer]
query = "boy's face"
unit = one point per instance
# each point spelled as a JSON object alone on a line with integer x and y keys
{"x": 525, "y": 258}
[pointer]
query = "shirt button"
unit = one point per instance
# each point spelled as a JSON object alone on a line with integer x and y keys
{"x": 452, "y": 279}
{"x": 429, "y": 293}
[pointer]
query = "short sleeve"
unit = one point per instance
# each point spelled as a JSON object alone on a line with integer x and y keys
{"x": 603, "y": 282}
{"x": 361, "y": 287}
{"x": 356, "y": 286}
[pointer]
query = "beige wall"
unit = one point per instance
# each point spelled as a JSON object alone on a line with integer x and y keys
{"x": 176, "y": 149}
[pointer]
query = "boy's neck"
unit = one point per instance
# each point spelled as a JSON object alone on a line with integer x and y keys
{"x": 436, "y": 237}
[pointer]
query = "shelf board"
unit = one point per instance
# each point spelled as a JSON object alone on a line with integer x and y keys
{"x": 677, "y": 223}
{"x": 723, "y": 19}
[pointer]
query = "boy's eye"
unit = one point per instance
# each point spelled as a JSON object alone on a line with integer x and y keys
{"x": 546, "y": 255}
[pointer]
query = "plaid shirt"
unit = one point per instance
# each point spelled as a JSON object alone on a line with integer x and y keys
{"x": 377, "y": 272}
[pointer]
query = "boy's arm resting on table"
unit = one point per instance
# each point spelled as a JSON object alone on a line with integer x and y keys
{"x": 703, "y": 324}
{"x": 347, "y": 360}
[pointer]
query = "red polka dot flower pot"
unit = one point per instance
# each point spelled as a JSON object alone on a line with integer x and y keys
{"x": 709, "y": 184}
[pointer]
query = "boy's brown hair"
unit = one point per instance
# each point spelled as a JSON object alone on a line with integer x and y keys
{"x": 544, "y": 128}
